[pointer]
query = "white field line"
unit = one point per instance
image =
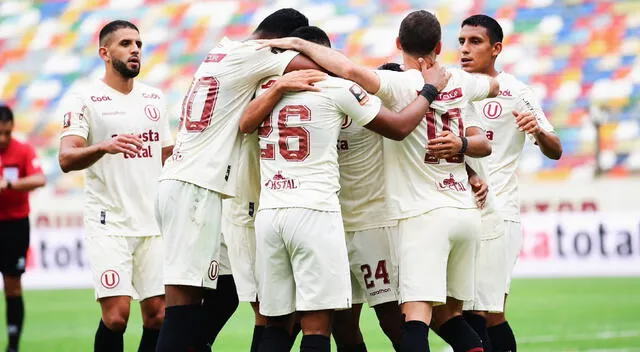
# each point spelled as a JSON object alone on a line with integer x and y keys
{"x": 602, "y": 335}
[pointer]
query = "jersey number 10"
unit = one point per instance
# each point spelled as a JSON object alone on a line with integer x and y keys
{"x": 446, "y": 118}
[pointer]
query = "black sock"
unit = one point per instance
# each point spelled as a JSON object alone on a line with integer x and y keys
{"x": 502, "y": 338}
{"x": 15, "y": 319}
{"x": 415, "y": 337}
{"x": 361, "y": 347}
{"x": 148, "y": 340}
{"x": 258, "y": 330}
{"x": 108, "y": 340}
{"x": 275, "y": 340}
{"x": 294, "y": 334}
{"x": 460, "y": 336}
{"x": 218, "y": 306}
{"x": 479, "y": 325}
{"x": 315, "y": 343}
{"x": 182, "y": 329}
{"x": 396, "y": 347}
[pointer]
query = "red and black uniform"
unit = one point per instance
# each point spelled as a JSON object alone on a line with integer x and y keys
{"x": 17, "y": 161}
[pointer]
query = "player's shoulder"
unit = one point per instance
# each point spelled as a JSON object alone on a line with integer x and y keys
{"x": 149, "y": 92}
{"x": 266, "y": 84}
{"x": 510, "y": 83}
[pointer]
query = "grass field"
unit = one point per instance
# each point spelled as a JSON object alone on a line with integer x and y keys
{"x": 547, "y": 315}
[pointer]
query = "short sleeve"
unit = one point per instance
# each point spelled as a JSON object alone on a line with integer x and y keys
{"x": 265, "y": 84}
{"x": 269, "y": 62}
{"x": 32, "y": 162}
{"x": 527, "y": 101}
{"x": 477, "y": 86}
{"x": 355, "y": 102}
{"x": 470, "y": 116}
{"x": 393, "y": 84}
{"x": 75, "y": 117}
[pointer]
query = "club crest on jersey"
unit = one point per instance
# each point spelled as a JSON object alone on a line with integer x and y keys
{"x": 492, "y": 110}
{"x": 109, "y": 279}
{"x": 450, "y": 184}
{"x": 450, "y": 95}
{"x": 280, "y": 182}
{"x": 346, "y": 122}
{"x": 152, "y": 112}
{"x": 361, "y": 96}
{"x": 214, "y": 268}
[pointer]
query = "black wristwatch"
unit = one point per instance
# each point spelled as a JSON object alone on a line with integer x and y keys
{"x": 9, "y": 185}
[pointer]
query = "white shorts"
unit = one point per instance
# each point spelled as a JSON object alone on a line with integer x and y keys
{"x": 513, "y": 230}
{"x": 302, "y": 261}
{"x": 126, "y": 266}
{"x": 189, "y": 219}
{"x": 241, "y": 244}
{"x": 374, "y": 268}
{"x": 491, "y": 276}
{"x": 224, "y": 267}
{"x": 437, "y": 255}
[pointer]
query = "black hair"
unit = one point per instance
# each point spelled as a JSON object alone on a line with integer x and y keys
{"x": 6, "y": 115}
{"x": 112, "y": 27}
{"x": 390, "y": 66}
{"x": 312, "y": 34}
{"x": 494, "y": 30}
{"x": 281, "y": 23}
{"x": 419, "y": 33}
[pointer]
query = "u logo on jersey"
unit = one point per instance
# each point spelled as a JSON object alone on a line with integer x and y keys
{"x": 492, "y": 110}
{"x": 152, "y": 112}
{"x": 213, "y": 270}
{"x": 109, "y": 279}
{"x": 346, "y": 122}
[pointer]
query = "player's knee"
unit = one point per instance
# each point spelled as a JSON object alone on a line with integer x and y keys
{"x": 153, "y": 320}
{"x": 494, "y": 319}
{"x": 12, "y": 286}
{"x": 115, "y": 321}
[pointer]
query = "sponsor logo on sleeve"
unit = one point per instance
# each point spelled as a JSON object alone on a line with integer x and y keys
{"x": 66, "y": 120}
{"x": 361, "y": 96}
{"x": 214, "y": 57}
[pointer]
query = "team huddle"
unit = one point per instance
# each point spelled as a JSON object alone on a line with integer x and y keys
{"x": 307, "y": 185}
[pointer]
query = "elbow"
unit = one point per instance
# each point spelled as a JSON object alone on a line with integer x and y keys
{"x": 555, "y": 154}
{"x": 64, "y": 164}
{"x": 485, "y": 150}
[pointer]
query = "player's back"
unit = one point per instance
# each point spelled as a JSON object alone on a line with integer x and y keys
{"x": 208, "y": 143}
{"x": 418, "y": 182}
{"x": 299, "y": 160}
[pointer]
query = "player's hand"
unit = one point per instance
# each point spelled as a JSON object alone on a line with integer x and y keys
{"x": 3, "y": 184}
{"x": 302, "y": 80}
{"x": 445, "y": 145}
{"x": 527, "y": 122}
{"x": 480, "y": 190}
{"x": 123, "y": 143}
{"x": 281, "y": 43}
{"x": 434, "y": 74}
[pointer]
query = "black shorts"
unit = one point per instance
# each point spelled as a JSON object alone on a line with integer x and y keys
{"x": 14, "y": 242}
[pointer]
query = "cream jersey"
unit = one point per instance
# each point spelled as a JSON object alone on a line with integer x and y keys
{"x": 505, "y": 138}
{"x": 416, "y": 181}
{"x": 241, "y": 209}
{"x": 119, "y": 189}
{"x": 298, "y": 156}
{"x": 362, "y": 187}
{"x": 208, "y": 141}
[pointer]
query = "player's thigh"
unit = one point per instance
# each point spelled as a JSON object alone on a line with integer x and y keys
{"x": 147, "y": 266}
{"x": 14, "y": 243}
{"x": 490, "y": 275}
{"x": 316, "y": 243}
{"x": 465, "y": 234}
{"x": 276, "y": 284}
{"x": 513, "y": 231}
{"x": 241, "y": 248}
{"x": 371, "y": 262}
{"x": 189, "y": 217}
{"x": 358, "y": 286}
{"x": 423, "y": 251}
{"x": 111, "y": 262}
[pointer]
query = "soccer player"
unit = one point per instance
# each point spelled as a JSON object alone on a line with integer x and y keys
{"x": 509, "y": 118}
{"x": 118, "y": 130}
{"x": 301, "y": 251}
{"x": 204, "y": 166}
{"x": 427, "y": 182}
{"x": 20, "y": 173}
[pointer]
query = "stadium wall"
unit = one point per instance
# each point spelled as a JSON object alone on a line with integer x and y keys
{"x": 570, "y": 230}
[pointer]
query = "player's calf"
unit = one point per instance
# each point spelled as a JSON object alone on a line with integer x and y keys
{"x": 218, "y": 306}
{"x": 391, "y": 323}
{"x": 478, "y": 322}
{"x": 152, "y": 310}
{"x": 346, "y": 330}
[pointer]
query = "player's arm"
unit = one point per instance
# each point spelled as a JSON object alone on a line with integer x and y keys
{"x": 261, "y": 106}
{"x": 33, "y": 179}
{"x": 166, "y": 153}
{"x": 76, "y": 155}
{"x": 531, "y": 119}
{"x": 398, "y": 125}
{"x": 474, "y": 144}
{"x": 478, "y": 186}
{"x": 331, "y": 60}
{"x": 494, "y": 88}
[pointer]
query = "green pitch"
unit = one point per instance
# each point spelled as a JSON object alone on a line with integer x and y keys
{"x": 547, "y": 315}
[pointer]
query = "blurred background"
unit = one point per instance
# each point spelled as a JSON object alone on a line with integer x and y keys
{"x": 581, "y": 213}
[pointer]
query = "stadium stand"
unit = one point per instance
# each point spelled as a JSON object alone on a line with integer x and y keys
{"x": 580, "y": 55}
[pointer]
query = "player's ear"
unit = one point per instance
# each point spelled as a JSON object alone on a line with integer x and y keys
{"x": 398, "y": 45}
{"x": 497, "y": 49}
{"x": 104, "y": 54}
{"x": 438, "y": 48}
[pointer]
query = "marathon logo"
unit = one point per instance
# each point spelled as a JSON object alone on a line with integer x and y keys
{"x": 279, "y": 182}
{"x": 450, "y": 95}
{"x": 146, "y": 137}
